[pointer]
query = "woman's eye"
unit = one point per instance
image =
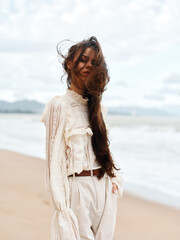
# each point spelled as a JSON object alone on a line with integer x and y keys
{"x": 93, "y": 62}
{"x": 82, "y": 60}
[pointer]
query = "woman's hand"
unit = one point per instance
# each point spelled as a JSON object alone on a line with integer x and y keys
{"x": 114, "y": 187}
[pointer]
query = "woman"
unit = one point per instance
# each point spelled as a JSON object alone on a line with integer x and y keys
{"x": 81, "y": 177}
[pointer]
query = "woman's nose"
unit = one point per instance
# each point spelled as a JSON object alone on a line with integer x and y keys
{"x": 89, "y": 64}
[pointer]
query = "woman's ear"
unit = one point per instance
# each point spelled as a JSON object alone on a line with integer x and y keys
{"x": 69, "y": 65}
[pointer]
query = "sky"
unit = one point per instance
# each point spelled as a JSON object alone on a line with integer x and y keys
{"x": 140, "y": 41}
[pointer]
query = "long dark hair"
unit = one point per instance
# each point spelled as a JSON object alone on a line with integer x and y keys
{"x": 93, "y": 90}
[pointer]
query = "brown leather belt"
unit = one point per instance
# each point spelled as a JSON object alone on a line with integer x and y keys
{"x": 87, "y": 173}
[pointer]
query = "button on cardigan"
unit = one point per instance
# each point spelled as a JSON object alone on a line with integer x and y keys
{"x": 68, "y": 150}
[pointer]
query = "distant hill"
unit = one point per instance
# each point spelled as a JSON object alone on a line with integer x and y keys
{"x": 24, "y": 106}
{"x": 31, "y": 106}
{"x": 139, "y": 111}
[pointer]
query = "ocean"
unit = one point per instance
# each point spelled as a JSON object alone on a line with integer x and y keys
{"x": 145, "y": 148}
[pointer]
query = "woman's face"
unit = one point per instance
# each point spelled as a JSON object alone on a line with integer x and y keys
{"x": 84, "y": 66}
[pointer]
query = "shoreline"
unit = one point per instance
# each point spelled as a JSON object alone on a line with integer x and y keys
{"x": 153, "y": 196}
{"x": 133, "y": 189}
{"x": 26, "y": 212}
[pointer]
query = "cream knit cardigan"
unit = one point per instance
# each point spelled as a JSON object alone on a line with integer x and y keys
{"x": 67, "y": 133}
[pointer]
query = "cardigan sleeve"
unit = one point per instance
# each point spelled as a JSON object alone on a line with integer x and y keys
{"x": 64, "y": 224}
{"x": 119, "y": 181}
{"x": 50, "y": 117}
{"x": 119, "y": 178}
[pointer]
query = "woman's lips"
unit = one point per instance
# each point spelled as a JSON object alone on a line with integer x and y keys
{"x": 86, "y": 73}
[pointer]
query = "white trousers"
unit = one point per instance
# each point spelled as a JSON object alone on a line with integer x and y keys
{"x": 94, "y": 205}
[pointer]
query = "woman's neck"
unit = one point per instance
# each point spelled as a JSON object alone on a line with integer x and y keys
{"x": 74, "y": 88}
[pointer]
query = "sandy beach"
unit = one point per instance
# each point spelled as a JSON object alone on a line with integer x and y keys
{"x": 25, "y": 211}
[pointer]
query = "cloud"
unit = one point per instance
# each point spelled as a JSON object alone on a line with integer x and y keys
{"x": 26, "y": 74}
{"x": 170, "y": 88}
{"x": 120, "y": 84}
{"x": 127, "y": 30}
{"x": 24, "y": 46}
{"x": 174, "y": 78}
{"x": 171, "y": 85}
{"x": 155, "y": 96}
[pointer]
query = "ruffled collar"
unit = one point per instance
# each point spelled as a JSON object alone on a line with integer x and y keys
{"x": 76, "y": 96}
